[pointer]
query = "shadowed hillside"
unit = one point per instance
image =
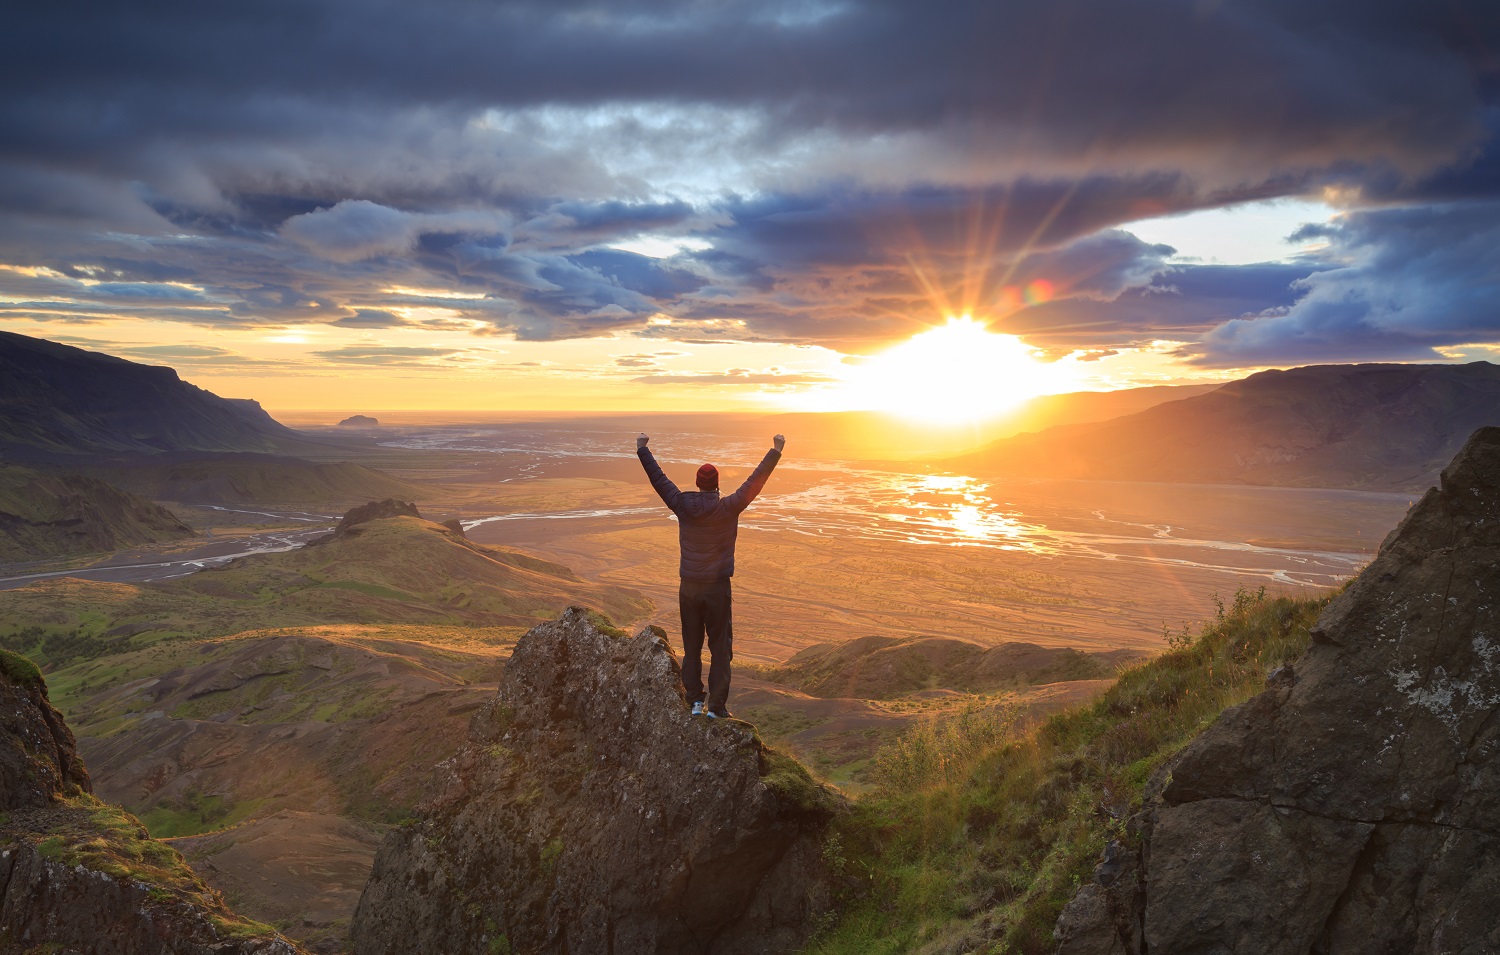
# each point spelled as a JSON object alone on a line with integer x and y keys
{"x": 56, "y": 515}
{"x": 264, "y": 479}
{"x": 56, "y": 398}
{"x": 1358, "y": 426}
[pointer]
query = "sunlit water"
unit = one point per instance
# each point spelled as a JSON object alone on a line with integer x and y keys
{"x": 952, "y": 510}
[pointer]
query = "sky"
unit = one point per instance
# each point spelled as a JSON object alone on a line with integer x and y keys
{"x": 363, "y": 204}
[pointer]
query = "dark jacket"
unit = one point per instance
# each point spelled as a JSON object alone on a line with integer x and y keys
{"x": 707, "y": 523}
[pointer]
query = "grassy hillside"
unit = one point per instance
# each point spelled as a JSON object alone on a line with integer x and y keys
{"x": 397, "y": 571}
{"x": 63, "y": 515}
{"x": 881, "y": 668}
{"x": 978, "y": 833}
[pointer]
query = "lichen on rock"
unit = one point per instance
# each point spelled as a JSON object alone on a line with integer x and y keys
{"x": 589, "y": 811}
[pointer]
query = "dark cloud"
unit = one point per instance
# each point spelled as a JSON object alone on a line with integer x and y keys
{"x": 1410, "y": 280}
{"x": 854, "y": 169}
{"x": 372, "y": 318}
{"x": 387, "y": 354}
{"x": 1181, "y": 303}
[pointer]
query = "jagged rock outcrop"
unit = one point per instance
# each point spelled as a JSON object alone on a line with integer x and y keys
{"x": 375, "y": 511}
{"x": 589, "y": 812}
{"x": 80, "y": 877}
{"x": 1354, "y": 806}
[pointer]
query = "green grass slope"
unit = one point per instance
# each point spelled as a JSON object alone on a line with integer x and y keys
{"x": 882, "y": 668}
{"x": 978, "y": 834}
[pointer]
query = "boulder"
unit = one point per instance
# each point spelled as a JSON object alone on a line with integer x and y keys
{"x": 589, "y": 812}
{"x": 1354, "y": 806}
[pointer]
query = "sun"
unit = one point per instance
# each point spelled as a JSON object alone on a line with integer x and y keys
{"x": 959, "y": 371}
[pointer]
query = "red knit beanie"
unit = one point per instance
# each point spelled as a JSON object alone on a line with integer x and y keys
{"x": 708, "y": 478}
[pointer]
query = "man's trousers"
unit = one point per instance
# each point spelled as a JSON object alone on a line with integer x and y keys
{"x": 705, "y": 608}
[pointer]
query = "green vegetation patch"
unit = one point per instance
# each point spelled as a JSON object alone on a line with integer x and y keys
{"x": 84, "y": 831}
{"x": 792, "y": 783}
{"x": 604, "y": 625}
{"x": 369, "y": 590}
{"x": 197, "y": 813}
{"x": 18, "y": 669}
{"x": 978, "y": 833}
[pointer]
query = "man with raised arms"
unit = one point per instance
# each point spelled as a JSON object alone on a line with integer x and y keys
{"x": 707, "y": 525}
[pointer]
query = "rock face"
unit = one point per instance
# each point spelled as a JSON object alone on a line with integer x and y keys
{"x": 589, "y": 812}
{"x": 359, "y": 421}
{"x": 1354, "y": 806}
{"x": 78, "y": 875}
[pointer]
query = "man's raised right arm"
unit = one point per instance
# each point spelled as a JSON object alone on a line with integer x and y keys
{"x": 659, "y": 480}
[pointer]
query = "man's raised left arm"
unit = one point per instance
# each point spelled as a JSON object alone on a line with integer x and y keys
{"x": 751, "y": 489}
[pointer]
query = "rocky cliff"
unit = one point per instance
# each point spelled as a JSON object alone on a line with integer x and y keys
{"x": 589, "y": 812}
{"x": 80, "y": 876}
{"x": 1354, "y": 806}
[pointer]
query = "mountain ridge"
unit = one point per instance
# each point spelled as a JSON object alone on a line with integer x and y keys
{"x": 60, "y": 399}
{"x": 1371, "y": 426}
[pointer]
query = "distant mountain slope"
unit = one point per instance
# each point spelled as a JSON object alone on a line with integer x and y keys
{"x": 246, "y": 478}
{"x": 1357, "y": 426}
{"x": 64, "y": 400}
{"x": 59, "y": 515}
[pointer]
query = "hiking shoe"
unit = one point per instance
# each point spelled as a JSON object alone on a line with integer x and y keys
{"x": 719, "y": 715}
{"x": 698, "y": 708}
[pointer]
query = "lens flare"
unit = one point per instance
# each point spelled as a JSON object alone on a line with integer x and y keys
{"x": 1038, "y": 292}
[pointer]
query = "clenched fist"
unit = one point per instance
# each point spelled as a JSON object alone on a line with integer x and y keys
{"x": 779, "y": 441}
{"x": 641, "y": 439}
